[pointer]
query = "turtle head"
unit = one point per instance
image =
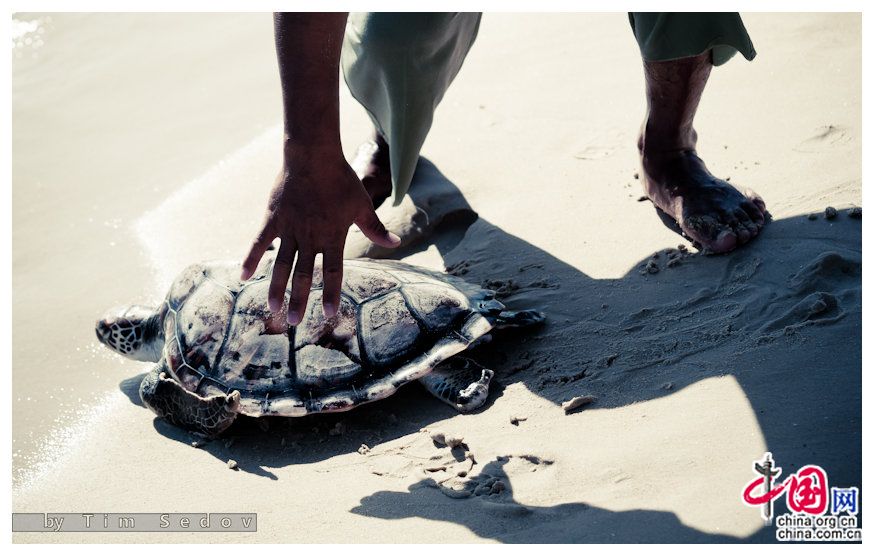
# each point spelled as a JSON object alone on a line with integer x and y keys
{"x": 133, "y": 331}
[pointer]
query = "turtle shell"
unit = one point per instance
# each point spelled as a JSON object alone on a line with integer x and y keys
{"x": 395, "y": 322}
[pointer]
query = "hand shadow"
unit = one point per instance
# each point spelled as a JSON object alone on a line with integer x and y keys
{"x": 493, "y": 513}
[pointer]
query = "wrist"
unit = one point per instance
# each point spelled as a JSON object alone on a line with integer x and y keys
{"x": 296, "y": 150}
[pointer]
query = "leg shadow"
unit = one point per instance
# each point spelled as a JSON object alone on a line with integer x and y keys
{"x": 781, "y": 314}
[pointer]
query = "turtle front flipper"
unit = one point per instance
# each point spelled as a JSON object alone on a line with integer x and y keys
{"x": 170, "y": 401}
{"x": 460, "y": 382}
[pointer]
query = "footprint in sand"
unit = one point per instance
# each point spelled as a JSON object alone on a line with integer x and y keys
{"x": 819, "y": 286}
{"x": 593, "y": 152}
{"x": 826, "y": 138}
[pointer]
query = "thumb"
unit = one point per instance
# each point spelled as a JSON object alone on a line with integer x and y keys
{"x": 375, "y": 231}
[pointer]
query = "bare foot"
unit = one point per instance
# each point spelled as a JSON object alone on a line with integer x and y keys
{"x": 372, "y": 164}
{"x": 709, "y": 210}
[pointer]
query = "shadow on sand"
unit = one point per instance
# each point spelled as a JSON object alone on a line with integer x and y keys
{"x": 627, "y": 340}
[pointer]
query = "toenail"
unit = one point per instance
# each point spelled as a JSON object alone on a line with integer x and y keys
{"x": 725, "y": 241}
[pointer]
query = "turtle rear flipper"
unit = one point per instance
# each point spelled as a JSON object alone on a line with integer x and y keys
{"x": 170, "y": 401}
{"x": 460, "y": 382}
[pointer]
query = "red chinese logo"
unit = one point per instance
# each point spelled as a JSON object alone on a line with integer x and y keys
{"x": 806, "y": 490}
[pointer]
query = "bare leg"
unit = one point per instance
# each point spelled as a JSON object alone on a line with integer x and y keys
{"x": 709, "y": 210}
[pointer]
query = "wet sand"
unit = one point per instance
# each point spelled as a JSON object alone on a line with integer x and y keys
{"x": 163, "y": 153}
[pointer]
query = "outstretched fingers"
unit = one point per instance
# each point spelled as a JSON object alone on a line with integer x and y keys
{"x": 375, "y": 231}
{"x": 332, "y": 276}
{"x": 259, "y": 246}
{"x": 300, "y": 286}
{"x": 281, "y": 272}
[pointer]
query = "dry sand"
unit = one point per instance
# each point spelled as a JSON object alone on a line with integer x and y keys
{"x": 696, "y": 370}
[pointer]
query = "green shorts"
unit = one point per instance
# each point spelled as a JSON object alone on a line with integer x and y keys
{"x": 669, "y": 36}
{"x": 399, "y": 65}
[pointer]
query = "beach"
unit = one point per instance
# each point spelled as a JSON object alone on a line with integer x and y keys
{"x": 143, "y": 143}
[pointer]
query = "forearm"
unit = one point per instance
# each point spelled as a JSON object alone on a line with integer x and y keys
{"x": 308, "y": 50}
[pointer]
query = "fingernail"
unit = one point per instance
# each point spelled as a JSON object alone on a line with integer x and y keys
{"x": 330, "y": 309}
{"x": 244, "y": 275}
{"x": 293, "y": 318}
{"x": 274, "y": 304}
{"x": 394, "y": 237}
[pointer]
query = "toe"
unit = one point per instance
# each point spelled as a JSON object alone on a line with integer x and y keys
{"x": 747, "y": 229}
{"x": 713, "y": 235}
{"x": 726, "y": 241}
{"x": 756, "y": 200}
{"x": 756, "y": 215}
{"x": 743, "y": 234}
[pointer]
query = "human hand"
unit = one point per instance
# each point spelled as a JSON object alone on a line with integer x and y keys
{"x": 316, "y": 198}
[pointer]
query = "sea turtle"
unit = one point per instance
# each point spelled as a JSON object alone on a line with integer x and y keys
{"x": 220, "y": 352}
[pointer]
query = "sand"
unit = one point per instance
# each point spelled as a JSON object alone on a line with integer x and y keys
{"x": 695, "y": 370}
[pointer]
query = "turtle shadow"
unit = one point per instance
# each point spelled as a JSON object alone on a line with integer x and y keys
{"x": 258, "y": 445}
{"x": 130, "y": 387}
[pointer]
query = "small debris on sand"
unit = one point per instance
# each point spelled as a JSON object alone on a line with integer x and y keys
{"x": 812, "y": 216}
{"x": 577, "y": 402}
{"x": 668, "y": 386}
{"x": 515, "y": 420}
{"x": 454, "y": 442}
{"x": 232, "y": 464}
{"x": 339, "y": 429}
{"x": 458, "y": 269}
{"x": 652, "y": 267}
{"x": 830, "y": 213}
{"x": 364, "y": 449}
{"x": 502, "y": 288}
{"x": 642, "y": 198}
{"x": 442, "y": 439}
{"x": 855, "y": 212}
{"x": 636, "y": 176}
{"x": 498, "y": 487}
{"x": 197, "y": 443}
{"x": 682, "y": 247}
